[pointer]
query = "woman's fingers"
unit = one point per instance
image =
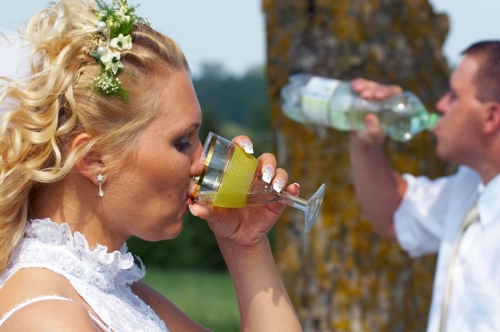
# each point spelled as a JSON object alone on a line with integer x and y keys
{"x": 244, "y": 142}
{"x": 269, "y": 172}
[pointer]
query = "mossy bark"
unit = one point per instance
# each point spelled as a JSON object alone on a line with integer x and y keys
{"x": 341, "y": 276}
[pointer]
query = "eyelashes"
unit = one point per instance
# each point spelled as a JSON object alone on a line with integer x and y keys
{"x": 187, "y": 141}
{"x": 183, "y": 146}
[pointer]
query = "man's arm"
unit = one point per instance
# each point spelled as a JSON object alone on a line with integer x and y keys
{"x": 379, "y": 189}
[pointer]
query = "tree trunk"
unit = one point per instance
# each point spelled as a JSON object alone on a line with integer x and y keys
{"x": 341, "y": 276}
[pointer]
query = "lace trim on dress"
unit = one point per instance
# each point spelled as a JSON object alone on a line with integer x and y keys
{"x": 101, "y": 278}
{"x": 103, "y": 269}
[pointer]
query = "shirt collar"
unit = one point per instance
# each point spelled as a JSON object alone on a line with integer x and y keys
{"x": 489, "y": 201}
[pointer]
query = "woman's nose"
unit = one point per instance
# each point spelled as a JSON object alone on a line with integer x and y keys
{"x": 198, "y": 160}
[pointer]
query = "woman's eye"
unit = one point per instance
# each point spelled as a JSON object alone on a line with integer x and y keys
{"x": 182, "y": 145}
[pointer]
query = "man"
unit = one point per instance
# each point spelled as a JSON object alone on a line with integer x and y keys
{"x": 425, "y": 215}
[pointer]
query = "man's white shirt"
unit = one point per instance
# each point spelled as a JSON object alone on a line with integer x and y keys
{"x": 428, "y": 220}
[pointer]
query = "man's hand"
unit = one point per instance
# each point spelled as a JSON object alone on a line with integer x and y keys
{"x": 373, "y": 135}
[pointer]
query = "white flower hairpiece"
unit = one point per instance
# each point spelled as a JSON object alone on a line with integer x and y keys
{"x": 115, "y": 23}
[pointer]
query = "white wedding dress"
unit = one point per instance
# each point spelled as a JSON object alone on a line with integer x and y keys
{"x": 101, "y": 278}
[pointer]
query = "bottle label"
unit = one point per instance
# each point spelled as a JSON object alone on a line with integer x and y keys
{"x": 316, "y": 98}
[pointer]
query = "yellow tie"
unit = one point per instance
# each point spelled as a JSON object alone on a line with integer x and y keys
{"x": 470, "y": 216}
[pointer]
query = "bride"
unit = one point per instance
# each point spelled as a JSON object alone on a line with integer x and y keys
{"x": 99, "y": 142}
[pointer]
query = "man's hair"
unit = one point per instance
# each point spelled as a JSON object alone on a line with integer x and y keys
{"x": 487, "y": 80}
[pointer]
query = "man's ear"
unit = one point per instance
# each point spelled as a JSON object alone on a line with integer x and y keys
{"x": 493, "y": 118}
{"x": 91, "y": 164}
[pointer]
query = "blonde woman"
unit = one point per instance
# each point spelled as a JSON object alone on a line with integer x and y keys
{"x": 99, "y": 142}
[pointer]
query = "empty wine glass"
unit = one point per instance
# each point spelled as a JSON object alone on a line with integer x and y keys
{"x": 231, "y": 179}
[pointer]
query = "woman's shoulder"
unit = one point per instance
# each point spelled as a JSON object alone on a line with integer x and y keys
{"x": 50, "y": 315}
{"x": 30, "y": 282}
{"x": 33, "y": 298}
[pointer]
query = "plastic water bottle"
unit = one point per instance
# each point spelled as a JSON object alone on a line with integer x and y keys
{"x": 330, "y": 102}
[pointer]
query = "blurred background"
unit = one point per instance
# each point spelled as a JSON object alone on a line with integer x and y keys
{"x": 229, "y": 48}
{"x": 232, "y": 34}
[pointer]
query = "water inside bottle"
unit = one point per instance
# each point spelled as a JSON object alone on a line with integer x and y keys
{"x": 399, "y": 126}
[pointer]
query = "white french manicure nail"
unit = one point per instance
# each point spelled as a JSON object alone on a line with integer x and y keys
{"x": 298, "y": 185}
{"x": 278, "y": 185}
{"x": 267, "y": 173}
{"x": 191, "y": 210}
{"x": 247, "y": 146}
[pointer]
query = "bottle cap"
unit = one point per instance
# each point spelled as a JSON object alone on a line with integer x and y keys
{"x": 432, "y": 122}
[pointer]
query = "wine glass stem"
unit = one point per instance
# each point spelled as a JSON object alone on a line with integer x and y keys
{"x": 296, "y": 202}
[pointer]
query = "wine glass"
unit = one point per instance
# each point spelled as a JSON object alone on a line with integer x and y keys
{"x": 230, "y": 178}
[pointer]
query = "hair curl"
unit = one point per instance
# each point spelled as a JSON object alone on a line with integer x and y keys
{"x": 56, "y": 104}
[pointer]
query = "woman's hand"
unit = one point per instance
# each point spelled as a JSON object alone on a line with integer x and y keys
{"x": 242, "y": 237}
{"x": 248, "y": 226}
{"x": 373, "y": 135}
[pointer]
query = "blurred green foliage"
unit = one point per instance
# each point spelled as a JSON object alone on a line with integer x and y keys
{"x": 231, "y": 106}
{"x": 207, "y": 297}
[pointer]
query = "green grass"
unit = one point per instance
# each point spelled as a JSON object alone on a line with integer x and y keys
{"x": 206, "y": 297}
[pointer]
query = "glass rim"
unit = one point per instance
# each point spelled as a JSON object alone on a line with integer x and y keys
{"x": 210, "y": 144}
{"x": 208, "y": 152}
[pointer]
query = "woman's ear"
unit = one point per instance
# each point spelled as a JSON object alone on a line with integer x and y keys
{"x": 91, "y": 164}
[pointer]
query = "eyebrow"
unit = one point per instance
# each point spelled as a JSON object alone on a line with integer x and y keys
{"x": 193, "y": 126}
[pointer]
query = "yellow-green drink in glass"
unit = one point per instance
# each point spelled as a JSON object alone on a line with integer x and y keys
{"x": 231, "y": 179}
{"x": 238, "y": 179}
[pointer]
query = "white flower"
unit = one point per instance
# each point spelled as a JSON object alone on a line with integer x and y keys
{"x": 106, "y": 84}
{"x": 111, "y": 60}
{"x": 106, "y": 54}
{"x": 112, "y": 23}
{"x": 122, "y": 5}
{"x": 101, "y": 14}
{"x": 115, "y": 66}
{"x": 121, "y": 42}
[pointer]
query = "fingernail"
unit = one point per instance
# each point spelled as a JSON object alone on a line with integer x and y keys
{"x": 247, "y": 146}
{"x": 298, "y": 185}
{"x": 267, "y": 173}
{"x": 191, "y": 210}
{"x": 278, "y": 185}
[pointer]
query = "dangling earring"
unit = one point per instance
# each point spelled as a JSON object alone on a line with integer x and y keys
{"x": 100, "y": 177}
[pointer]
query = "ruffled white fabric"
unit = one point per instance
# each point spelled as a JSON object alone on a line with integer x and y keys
{"x": 103, "y": 279}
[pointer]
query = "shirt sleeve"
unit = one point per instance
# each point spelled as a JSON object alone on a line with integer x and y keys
{"x": 419, "y": 219}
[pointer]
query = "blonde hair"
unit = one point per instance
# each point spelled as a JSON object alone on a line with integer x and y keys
{"x": 57, "y": 103}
